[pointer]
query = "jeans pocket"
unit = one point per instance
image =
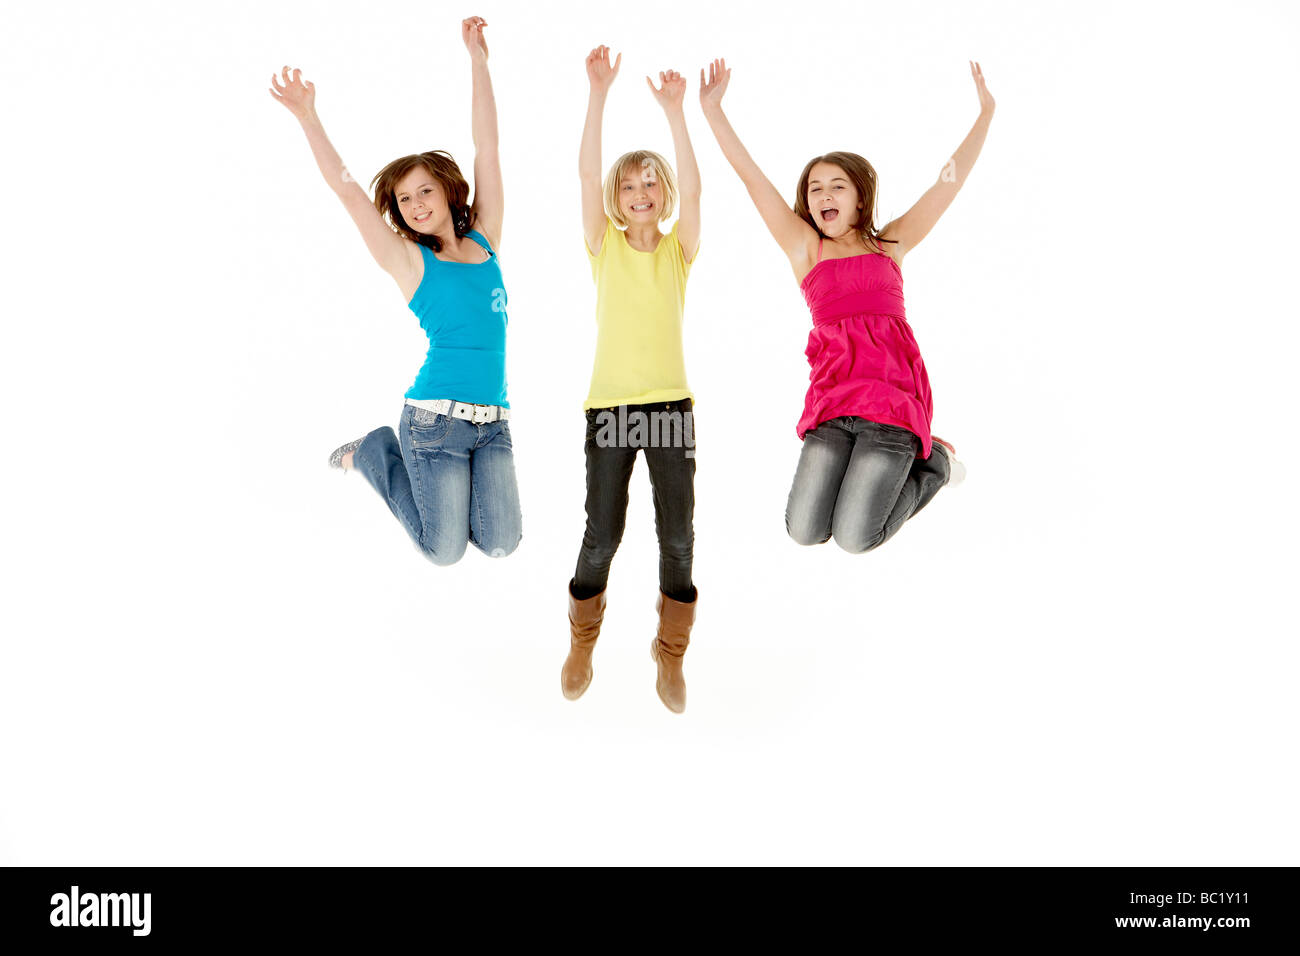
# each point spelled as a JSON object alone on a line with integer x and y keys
{"x": 428, "y": 428}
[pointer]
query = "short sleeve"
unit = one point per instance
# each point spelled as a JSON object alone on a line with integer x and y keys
{"x": 595, "y": 260}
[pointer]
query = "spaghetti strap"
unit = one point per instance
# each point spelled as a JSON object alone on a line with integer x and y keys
{"x": 820, "y": 240}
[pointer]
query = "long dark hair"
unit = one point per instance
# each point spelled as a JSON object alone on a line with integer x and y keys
{"x": 447, "y": 174}
{"x": 863, "y": 177}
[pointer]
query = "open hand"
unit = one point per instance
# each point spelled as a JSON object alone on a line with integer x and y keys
{"x": 471, "y": 31}
{"x": 671, "y": 90}
{"x": 599, "y": 72}
{"x": 986, "y": 98}
{"x": 712, "y": 87}
{"x": 299, "y": 98}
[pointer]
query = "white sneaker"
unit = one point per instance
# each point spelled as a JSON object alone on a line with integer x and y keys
{"x": 956, "y": 470}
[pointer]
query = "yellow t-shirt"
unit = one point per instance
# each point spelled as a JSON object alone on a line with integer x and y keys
{"x": 639, "y": 302}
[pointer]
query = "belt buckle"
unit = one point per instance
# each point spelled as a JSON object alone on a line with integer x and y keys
{"x": 475, "y": 417}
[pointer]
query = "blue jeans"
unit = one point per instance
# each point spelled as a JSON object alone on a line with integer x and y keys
{"x": 859, "y": 481}
{"x": 449, "y": 482}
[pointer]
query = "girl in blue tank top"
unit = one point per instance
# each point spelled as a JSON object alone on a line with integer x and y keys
{"x": 448, "y": 472}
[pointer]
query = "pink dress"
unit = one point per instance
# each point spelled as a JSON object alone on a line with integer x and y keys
{"x": 864, "y": 358}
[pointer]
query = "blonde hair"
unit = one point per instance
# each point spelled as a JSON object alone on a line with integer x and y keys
{"x": 639, "y": 159}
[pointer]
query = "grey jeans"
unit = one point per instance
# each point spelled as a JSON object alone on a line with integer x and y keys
{"x": 858, "y": 481}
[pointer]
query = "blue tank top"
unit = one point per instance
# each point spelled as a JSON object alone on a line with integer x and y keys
{"x": 462, "y": 309}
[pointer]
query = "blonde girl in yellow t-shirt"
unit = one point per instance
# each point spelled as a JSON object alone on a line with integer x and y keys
{"x": 639, "y": 398}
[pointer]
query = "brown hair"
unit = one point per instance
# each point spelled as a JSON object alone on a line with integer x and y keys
{"x": 445, "y": 172}
{"x": 863, "y": 177}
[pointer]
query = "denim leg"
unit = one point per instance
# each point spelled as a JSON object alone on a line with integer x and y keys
{"x": 422, "y": 473}
{"x": 878, "y": 493}
{"x": 609, "y": 469}
{"x": 822, "y": 463}
{"x": 437, "y": 452}
{"x": 379, "y": 460}
{"x": 928, "y": 476}
{"x": 495, "y": 520}
{"x": 672, "y": 480}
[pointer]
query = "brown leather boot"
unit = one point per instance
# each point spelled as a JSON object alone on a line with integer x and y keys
{"x": 668, "y": 648}
{"x": 584, "y": 628}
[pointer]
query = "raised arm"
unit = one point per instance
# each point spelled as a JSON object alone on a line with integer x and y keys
{"x": 670, "y": 94}
{"x": 792, "y": 234}
{"x": 911, "y": 227}
{"x": 386, "y": 246}
{"x": 489, "y": 192}
{"x": 601, "y": 75}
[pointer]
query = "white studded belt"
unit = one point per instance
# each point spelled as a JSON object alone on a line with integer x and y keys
{"x": 478, "y": 414}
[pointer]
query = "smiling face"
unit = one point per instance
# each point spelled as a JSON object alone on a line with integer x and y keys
{"x": 640, "y": 194}
{"x": 422, "y": 202}
{"x": 640, "y": 189}
{"x": 833, "y": 200}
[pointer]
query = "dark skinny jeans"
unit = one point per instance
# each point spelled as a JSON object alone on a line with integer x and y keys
{"x": 611, "y": 454}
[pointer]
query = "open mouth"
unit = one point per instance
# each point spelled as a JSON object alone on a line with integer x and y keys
{"x": 424, "y": 217}
{"x": 642, "y": 206}
{"x": 830, "y": 215}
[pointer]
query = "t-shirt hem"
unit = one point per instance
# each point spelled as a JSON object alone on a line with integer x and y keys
{"x": 646, "y": 398}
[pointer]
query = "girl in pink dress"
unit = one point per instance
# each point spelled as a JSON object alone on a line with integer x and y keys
{"x": 868, "y": 461}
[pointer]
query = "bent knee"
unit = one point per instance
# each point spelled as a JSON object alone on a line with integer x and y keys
{"x": 804, "y": 533}
{"x": 860, "y": 543}
{"x": 442, "y": 554}
{"x": 500, "y": 549}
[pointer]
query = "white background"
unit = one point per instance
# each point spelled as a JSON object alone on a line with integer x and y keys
{"x": 218, "y": 651}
